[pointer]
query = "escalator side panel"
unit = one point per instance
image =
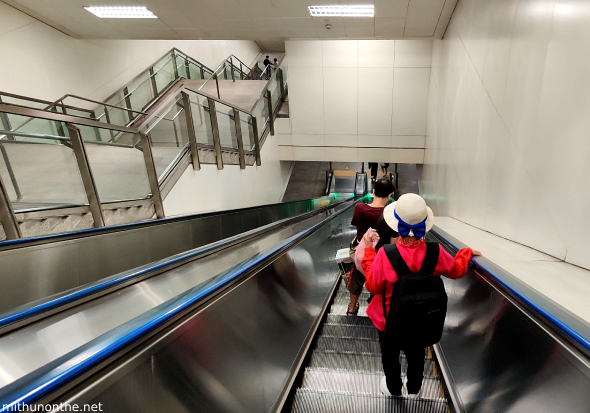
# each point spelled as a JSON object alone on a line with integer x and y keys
{"x": 235, "y": 355}
{"x": 502, "y": 361}
{"x": 38, "y": 271}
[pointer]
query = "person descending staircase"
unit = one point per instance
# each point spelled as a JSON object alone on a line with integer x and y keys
{"x": 345, "y": 369}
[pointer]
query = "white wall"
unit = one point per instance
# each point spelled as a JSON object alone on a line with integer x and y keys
{"x": 356, "y": 100}
{"x": 39, "y": 61}
{"x": 211, "y": 189}
{"x": 508, "y": 123}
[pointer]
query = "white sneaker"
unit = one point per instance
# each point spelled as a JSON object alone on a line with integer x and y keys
{"x": 383, "y": 387}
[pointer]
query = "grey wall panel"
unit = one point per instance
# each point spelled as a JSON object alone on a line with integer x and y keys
{"x": 36, "y": 273}
{"x": 250, "y": 220}
{"x": 231, "y": 224}
{"x": 206, "y": 230}
{"x": 236, "y": 354}
{"x": 167, "y": 240}
{"x": 100, "y": 255}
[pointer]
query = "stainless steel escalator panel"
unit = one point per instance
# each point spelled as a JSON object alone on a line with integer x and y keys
{"x": 237, "y": 353}
{"x": 37, "y": 268}
{"x": 503, "y": 358}
{"x": 31, "y": 347}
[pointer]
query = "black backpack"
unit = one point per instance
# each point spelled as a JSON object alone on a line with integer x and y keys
{"x": 418, "y": 304}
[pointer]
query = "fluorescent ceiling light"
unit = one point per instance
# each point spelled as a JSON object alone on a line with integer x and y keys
{"x": 122, "y": 12}
{"x": 364, "y": 10}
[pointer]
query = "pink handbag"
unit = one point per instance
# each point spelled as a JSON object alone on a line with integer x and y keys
{"x": 358, "y": 256}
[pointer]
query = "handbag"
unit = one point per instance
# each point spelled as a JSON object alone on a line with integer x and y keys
{"x": 355, "y": 242}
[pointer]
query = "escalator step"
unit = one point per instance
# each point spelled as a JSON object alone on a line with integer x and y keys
{"x": 359, "y": 362}
{"x": 348, "y": 331}
{"x": 348, "y": 345}
{"x": 340, "y": 309}
{"x": 345, "y": 295}
{"x": 349, "y": 320}
{"x": 313, "y": 401}
{"x": 358, "y": 382}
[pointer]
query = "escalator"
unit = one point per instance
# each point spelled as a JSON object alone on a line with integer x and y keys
{"x": 258, "y": 326}
{"x": 85, "y": 259}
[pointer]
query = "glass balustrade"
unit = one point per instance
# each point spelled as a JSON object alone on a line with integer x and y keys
{"x": 40, "y": 171}
{"x": 201, "y": 119}
{"x": 168, "y": 136}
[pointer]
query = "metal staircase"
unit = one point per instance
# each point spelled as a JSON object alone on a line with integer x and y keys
{"x": 345, "y": 369}
{"x": 77, "y": 163}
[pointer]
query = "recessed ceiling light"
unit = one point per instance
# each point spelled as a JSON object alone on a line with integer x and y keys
{"x": 364, "y": 10}
{"x": 122, "y": 12}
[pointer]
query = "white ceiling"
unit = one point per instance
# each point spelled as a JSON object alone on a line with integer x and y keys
{"x": 267, "y": 21}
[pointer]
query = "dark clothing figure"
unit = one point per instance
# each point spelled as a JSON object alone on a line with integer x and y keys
{"x": 267, "y": 62}
{"x": 365, "y": 217}
{"x": 392, "y": 367}
{"x": 373, "y": 166}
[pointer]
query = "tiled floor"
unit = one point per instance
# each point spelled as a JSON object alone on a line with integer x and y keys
{"x": 565, "y": 284}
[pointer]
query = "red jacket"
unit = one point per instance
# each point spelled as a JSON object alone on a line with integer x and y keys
{"x": 381, "y": 276}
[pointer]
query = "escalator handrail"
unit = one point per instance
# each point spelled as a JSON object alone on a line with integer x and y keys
{"x": 501, "y": 276}
{"x": 40, "y": 383}
{"x": 44, "y": 307}
{"x": 42, "y": 239}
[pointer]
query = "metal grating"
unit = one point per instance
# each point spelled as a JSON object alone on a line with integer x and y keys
{"x": 313, "y": 401}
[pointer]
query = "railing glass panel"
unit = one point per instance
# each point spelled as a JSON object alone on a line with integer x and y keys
{"x": 227, "y": 126}
{"x": 40, "y": 171}
{"x": 247, "y": 132}
{"x": 119, "y": 172}
{"x": 169, "y": 138}
{"x": 201, "y": 119}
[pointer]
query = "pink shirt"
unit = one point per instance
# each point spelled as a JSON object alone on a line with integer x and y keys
{"x": 381, "y": 276}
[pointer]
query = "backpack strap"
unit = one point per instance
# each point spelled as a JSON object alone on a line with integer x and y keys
{"x": 396, "y": 260}
{"x": 378, "y": 222}
{"x": 431, "y": 258}
{"x": 398, "y": 264}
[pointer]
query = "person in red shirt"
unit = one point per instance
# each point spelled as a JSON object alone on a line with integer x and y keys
{"x": 367, "y": 216}
{"x": 412, "y": 219}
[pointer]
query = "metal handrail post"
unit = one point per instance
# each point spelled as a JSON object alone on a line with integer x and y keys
{"x": 215, "y": 126}
{"x": 128, "y": 104}
{"x": 270, "y": 119}
{"x": 240, "y": 139}
{"x": 86, "y": 175}
{"x": 7, "y": 217}
{"x": 192, "y": 137}
{"x": 241, "y": 71}
{"x": 175, "y": 64}
{"x": 231, "y": 62}
{"x": 256, "y": 140}
{"x": 187, "y": 68}
{"x": 217, "y": 84}
{"x": 150, "y": 166}
{"x": 107, "y": 117}
{"x": 19, "y": 195}
{"x": 281, "y": 84}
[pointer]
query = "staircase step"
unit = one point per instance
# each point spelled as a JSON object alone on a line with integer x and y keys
{"x": 360, "y": 362}
{"x": 358, "y": 382}
{"x": 348, "y": 345}
{"x": 313, "y": 401}
{"x": 349, "y": 331}
{"x": 349, "y": 320}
